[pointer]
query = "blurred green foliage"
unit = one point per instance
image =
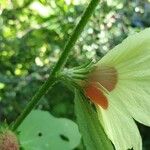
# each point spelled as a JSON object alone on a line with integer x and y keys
{"x": 34, "y": 32}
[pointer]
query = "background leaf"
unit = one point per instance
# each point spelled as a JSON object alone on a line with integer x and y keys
{"x": 41, "y": 131}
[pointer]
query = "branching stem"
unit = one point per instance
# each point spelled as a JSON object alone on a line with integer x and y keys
{"x": 61, "y": 62}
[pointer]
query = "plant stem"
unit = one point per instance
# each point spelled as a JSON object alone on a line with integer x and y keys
{"x": 62, "y": 60}
{"x": 76, "y": 32}
{"x": 34, "y": 100}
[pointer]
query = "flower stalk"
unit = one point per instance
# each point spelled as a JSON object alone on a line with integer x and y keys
{"x": 61, "y": 62}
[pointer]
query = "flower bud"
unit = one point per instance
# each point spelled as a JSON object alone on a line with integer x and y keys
{"x": 8, "y": 140}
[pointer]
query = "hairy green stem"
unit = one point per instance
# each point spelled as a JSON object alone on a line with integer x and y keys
{"x": 77, "y": 31}
{"x": 62, "y": 60}
{"x": 35, "y": 99}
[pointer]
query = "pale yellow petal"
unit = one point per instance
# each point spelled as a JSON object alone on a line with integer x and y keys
{"x": 131, "y": 59}
{"x": 135, "y": 96}
{"x": 119, "y": 125}
{"x": 135, "y": 47}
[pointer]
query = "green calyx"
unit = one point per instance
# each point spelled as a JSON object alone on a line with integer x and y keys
{"x": 76, "y": 76}
{"x": 8, "y": 139}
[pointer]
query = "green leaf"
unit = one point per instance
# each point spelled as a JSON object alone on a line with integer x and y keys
{"x": 41, "y": 131}
{"x": 93, "y": 134}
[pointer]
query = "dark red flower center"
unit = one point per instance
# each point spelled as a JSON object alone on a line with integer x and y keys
{"x": 105, "y": 77}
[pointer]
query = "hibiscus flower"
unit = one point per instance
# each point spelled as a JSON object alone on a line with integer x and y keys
{"x": 120, "y": 88}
